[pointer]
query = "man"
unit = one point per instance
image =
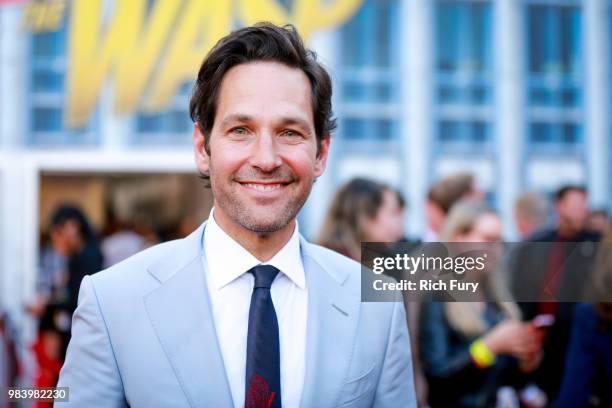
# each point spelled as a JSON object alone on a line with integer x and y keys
{"x": 555, "y": 265}
{"x": 244, "y": 311}
{"x": 530, "y": 213}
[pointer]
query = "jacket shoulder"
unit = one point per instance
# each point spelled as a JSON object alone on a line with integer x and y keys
{"x": 329, "y": 259}
{"x": 132, "y": 273}
{"x": 347, "y": 269}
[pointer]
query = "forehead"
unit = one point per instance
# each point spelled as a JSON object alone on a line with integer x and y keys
{"x": 265, "y": 90}
{"x": 390, "y": 197}
{"x": 573, "y": 196}
{"x": 488, "y": 221}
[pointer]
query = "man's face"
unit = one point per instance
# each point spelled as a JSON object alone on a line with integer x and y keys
{"x": 573, "y": 209}
{"x": 263, "y": 148}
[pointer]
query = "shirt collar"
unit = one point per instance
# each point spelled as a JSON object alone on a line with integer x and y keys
{"x": 228, "y": 260}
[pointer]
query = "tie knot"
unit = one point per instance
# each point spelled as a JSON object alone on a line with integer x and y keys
{"x": 264, "y": 275}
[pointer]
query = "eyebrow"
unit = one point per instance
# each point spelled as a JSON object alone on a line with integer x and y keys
{"x": 285, "y": 121}
{"x": 301, "y": 123}
{"x": 237, "y": 117}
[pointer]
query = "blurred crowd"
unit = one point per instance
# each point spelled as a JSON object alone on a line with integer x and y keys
{"x": 71, "y": 249}
{"x": 488, "y": 353}
{"x": 496, "y": 352}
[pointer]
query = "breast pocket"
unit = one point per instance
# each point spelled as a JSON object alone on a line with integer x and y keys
{"x": 357, "y": 391}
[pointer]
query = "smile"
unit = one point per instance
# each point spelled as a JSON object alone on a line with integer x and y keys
{"x": 264, "y": 187}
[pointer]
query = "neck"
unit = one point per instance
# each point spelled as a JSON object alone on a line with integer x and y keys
{"x": 261, "y": 246}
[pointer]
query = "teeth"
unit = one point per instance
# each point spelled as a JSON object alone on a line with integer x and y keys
{"x": 263, "y": 187}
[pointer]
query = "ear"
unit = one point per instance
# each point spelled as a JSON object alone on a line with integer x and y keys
{"x": 321, "y": 160}
{"x": 202, "y": 158}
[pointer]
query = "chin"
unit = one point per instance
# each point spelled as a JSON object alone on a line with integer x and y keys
{"x": 261, "y": 225}
{"x": 264, "y": 228}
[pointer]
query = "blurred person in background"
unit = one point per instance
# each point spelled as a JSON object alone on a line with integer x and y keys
{"x": 362, "y": 211}
{"x": 588, "y": 366}
{"x": 531, "y": 212}
{"x": 73, "y": 237}
{"x": 73, "y": 253}
{"x": 47, "y": 308}
{"x": 571, "y": 208}
{"x": 121, "y": 240}
{"x": 553, "y": 266}
{"x": 597, "y": 221}
{"x": 9, "y": 366}
{"x": 442, "y": 196}
{"x": 470, "y": 350}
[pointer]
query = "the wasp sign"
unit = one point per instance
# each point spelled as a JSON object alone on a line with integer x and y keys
{"x": 149, "y": 48}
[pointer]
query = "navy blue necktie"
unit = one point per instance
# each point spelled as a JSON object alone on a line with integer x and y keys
{"x": 263, "y": 351}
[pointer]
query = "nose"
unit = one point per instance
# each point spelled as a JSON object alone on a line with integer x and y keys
{"x": 265, "y": 155}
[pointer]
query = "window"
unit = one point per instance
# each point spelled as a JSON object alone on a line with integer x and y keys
{"x": 47, "y": 92}
{"x": 463, "y": 76}
{"x": 46, "y": 119}
{"x": 172, "y": 126}
{"x": 554, "y": 54}
{"x": 363, "y": 129}
{"x": 368, "y": 103}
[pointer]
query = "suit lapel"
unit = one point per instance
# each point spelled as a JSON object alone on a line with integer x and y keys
{"x": 333, "y": 313}
{"x": 181, "y": 316}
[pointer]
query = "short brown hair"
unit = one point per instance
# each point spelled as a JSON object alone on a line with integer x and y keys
{"x": 533, "y": 207}
{"x": 261, "y": 42}
{"x": 565, "y": 190}
{"x": 446, "y": 192}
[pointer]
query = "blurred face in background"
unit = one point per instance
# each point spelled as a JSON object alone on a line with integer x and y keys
{"x": 486, "y": 228}
{"x": 388, "y": 223}
{"x": 573, "y": 211}
{"x": 597, "y": 222}
{"x": 475, "y": 194}
{"x": 66, "y": 237}
{"x": 263, "y": 147}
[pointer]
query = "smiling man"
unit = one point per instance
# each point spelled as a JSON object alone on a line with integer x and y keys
{"x": 244, "y": 311}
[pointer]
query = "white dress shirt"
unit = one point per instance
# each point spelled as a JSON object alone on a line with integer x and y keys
{"x": 230, "y": 290}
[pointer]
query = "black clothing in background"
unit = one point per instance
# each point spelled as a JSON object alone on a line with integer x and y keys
{"x": 87, "y": 262}
{"x": 58, "y": 313}
{"x": 528, "y": 270}
{"x": 588, "y": 367}
{"x": 454, "y": 380}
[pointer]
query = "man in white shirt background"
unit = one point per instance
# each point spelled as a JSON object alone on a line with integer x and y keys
{"x": 244, "y": 311}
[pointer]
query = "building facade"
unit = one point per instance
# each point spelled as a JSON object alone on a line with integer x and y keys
{"x": 516, "y": 91}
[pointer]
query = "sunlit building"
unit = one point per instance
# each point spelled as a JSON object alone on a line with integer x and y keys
{"x": 516, "y": 91}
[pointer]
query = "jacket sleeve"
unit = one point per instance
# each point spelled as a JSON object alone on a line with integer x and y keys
{"x": 90, "y": 370}
{"x": 396, "y": 384}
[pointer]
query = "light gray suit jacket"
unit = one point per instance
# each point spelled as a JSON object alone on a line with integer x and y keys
{"x": 143, "y": 335}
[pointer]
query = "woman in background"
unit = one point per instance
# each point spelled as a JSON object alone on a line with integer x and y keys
{"x": 588, "y": 365}
{"x": 362, "y": 211}
{"x": 471, "y": 349}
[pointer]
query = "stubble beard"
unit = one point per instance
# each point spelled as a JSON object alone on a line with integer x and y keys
{"x": 265, "y": 222}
